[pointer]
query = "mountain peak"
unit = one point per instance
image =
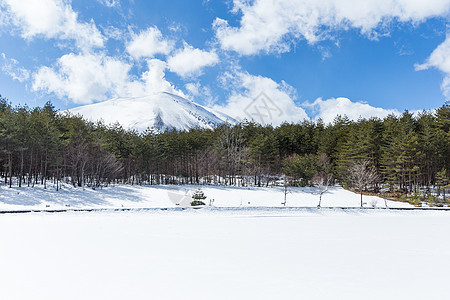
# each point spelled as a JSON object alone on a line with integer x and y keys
{"x": 159, "y": 112}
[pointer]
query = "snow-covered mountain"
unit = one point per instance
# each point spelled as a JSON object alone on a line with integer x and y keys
{"x": 158, "y": 111}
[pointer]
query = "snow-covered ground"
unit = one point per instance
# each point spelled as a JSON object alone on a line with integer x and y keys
{"x": 160, "y": 196}
{"x": 242, "y": 254}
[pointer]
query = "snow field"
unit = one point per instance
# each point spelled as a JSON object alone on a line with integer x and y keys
{"x": 197, "y": 254}
{"x": 159, "y": 196}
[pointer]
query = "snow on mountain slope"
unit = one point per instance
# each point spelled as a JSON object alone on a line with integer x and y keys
{"x": 159, "y": 111}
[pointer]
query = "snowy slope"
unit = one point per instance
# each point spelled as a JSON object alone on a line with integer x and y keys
{"x": 159, "y": 111}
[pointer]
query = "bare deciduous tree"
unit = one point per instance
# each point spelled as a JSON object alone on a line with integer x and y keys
{"x": 285, "y": 189}
{"x": 324, "y": 178}
{"x": 362, "y": 175}
{"x": 322, "y": 182}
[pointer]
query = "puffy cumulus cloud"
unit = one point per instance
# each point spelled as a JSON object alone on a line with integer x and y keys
{"x": 11, "y": 67}
{"x": 52, "y": 19}
{"x": 94, "y": 77}
{"x": 260, "y": 99}
{"x": 440, "y": 59}
{"x": 148, "y": 43}
{"x": 82, "y": 78}
{"x": 190, "y": 61}
{"x": 270, "y": 25}
{"x": 154, "y": 80}
{"x": 327, "y": 110}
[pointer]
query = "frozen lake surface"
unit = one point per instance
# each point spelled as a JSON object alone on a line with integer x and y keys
{"x": 240, "y": 254}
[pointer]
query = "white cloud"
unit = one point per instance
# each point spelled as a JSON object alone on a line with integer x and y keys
{"x": 52, "y": 19}
{"x": 327, "y": 110}
{"x": 440, "y": 59}
{"x": 154, "y": 79}
{"x": 200, "y": 94}
{"x": 3, "y": 16}
{"x": 11, "y": 67}
{"x": 148, "y": 43}
{"x": 190, "y": 61}
{"x": 177, "y": 27}
{"x": 260, "y": 99}
{"x": 94, "y": 77}
{"x": 82, "y": 78}
{"x": 193, "y": 88}
{"x": 445, "y": 86}
{"x": 112, "y": 32}
{"x": 265, "y": 101}
{"x": 271, "y": 25}
{"x": 109, "y": 3}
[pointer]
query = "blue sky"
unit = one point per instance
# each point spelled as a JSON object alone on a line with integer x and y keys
{"x": 311, "y": 58}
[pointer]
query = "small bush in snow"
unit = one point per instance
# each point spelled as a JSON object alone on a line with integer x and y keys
{"x": 198, "y": 197}
{"x": 197, "y": 203}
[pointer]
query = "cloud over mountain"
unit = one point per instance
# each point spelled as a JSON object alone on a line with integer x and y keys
{"x": 273, "y": 25}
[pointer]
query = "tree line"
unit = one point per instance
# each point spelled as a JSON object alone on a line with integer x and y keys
{"x": 41, "y": 146}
